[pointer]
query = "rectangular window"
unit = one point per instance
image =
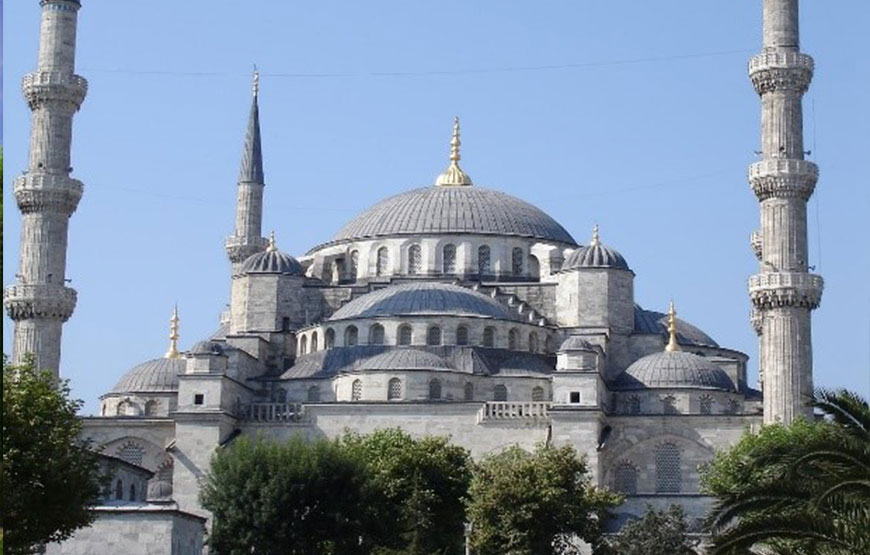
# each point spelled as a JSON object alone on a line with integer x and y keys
{"x": 198, "y": 399}
{"x": 575, "y": 396}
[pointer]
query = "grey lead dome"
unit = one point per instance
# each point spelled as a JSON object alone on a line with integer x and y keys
{"x": 674, "y": 369}
{"x": 160, "y": 374}
{"x": 271, "y": 262}
{"x": 595, "y": 256}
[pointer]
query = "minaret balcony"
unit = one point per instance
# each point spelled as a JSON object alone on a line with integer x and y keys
{"x": 45, "y": 300}
{"x": 44, "y": 86}
{"x": 786, "y": 289}
{"x": 755, "y": 242}
{"x": 47, "y": 192}
{"x": 240, "y": 248}
{"x": 781, "y": 70}
{"x": 783, "y": 178}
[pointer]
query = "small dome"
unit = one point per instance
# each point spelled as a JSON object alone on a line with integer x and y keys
{"x": 160, "y": 374}
{"x": 594, "y": 255}
{"x": 404, "y": 359}
{"x": 421, "y": 299}
{"x": 674, "y": 369}
{"x": 206, "y": 348}
{"x": 271, "y": 261}
{"x": 576, "y": 343}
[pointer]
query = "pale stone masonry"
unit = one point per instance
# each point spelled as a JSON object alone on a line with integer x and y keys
{"x": 40, "y": 301}
{"x": 784, "y": 291}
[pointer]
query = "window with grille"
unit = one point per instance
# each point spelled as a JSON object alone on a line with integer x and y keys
{"x": 394, "y": 389}
{"x": 376, "y": 335}
{"x": 533, "y": 342}
{"x": 489, "y": 337}
{"x": 351, "y": 335}
{"x": 500, "y": 393}
{"x": 435, "y": 389}
{"x": 330, "y": 338}
{"x": 462, "y": 335}
{"x": 313, "y": 395}
{"x": 131, "y": 453}
{"x": 151, "y": 408}
{"x": 668, "y": 473}
{"x": 415, "y": 260}
{"x": 538, "y": 394}
{"x": 405, "y": 334}
{"x": 356, "y": 390}
{"x": 706, "y": 403}
{"x": 354, "y": 265}
{"x": 469, "y": 391}
{"x": 383, "y": 263}
{"x": 517, "y": 261}
{"x": 433, "y": 337}
{"x": 448, "y": 264}
{"x": 484, "y": 264}
{"x": 513, "y": 339}
{"x": 625, "y": 479}
{"x": 669, "y": 405}
{"x": 634, "y": 405}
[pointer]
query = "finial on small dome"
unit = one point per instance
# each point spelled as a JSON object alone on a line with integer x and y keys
{"x": 173, "y": 335}
{"x": 454, "y": 175}
{"x": 272, "y": 246}
{"x": 595, "y": 241}
{"x": 672, "y": 345}
{"x": 255, "y": 87}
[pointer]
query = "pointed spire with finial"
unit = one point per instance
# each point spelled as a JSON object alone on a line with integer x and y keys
{"x": 173, "y": 335}
{"x": 252, "y": 154}
{"x": 672, "y": 345}
{"x": 454, "y": 175}
{"x": 273, "y": 246}
{"x": 595, "y": 240}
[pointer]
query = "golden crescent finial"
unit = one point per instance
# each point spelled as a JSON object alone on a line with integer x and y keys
{"x": 595, "y": 240}
{"x": 672, "y": 330}
{"x": 454, "y": 175}
{"x": 173, "y": 335}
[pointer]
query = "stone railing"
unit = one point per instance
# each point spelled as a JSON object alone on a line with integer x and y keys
{"x": 778, "y": 70}
{"x": 512, "y": 410}
{"x": 779, "y": 289}
{"x": 755, "y": 242}
{"x": 783, "y": 178}
{"x": 42, "y": 86}
{"x": 45, "y": 300}
{"x": 780, "y": 59}
{"x": 273, "y": 412}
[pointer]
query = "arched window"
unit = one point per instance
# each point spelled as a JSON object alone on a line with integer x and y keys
{"x": 484, "y": 263}
{"x": 356, "y": 390}
{"x": 469, "y": 391}
{"x": 405, "y": 334}
{"x": 489, "y": 337}
{"x": 131, "y": 453}
{"x": 517, "y": 262}
{"x": 376, "y": 334}
{"x": 119, "y": 490}
{"x": 132, "y": 492}
{"x": 303, "y": 344}
{"x": 538, "y": 393}
{"x": 625, "y": 478}
{"x": 126, "y": 408}
{"x": 534, "y": 267}
{"x": 415, "y": 260}
{"x": 330, "y": 338}
{"x": 706, "y": 404}
{"x": 634, "y": 405}
{"x": 499, "y": 393}
{"x": 434, "y": 389}
{"x": 533, "y": 342}
{"x": 669, "y": 405}
{"x": 394, "y": 389}
{"x": 433, "y": 336}
{"x": 151, "y": 407}
{"x": 513, "y": 340}
{"x": 314, "y": 341}
{"x": 383, "y": 263}
{"x": 338, "y": 270}
{"x": 350, "y": 336}
{"x": 668, "y": 473}
{"x": 103, "y": 410}
{"x": 462, "y": 335}
{"x": 448, "y": 263}
{"x": 313, "y": 395}
{"x": 354, "y": 265}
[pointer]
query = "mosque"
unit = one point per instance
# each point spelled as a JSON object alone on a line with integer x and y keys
{"x": 451, "y": 309}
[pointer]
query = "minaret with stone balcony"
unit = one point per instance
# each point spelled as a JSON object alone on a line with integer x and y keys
{"x": 783, "y": 293}
{"x": 247, "y": 239}
{"x": 40, "y": 301}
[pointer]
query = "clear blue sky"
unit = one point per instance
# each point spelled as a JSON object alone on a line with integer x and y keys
{"x": 636, "y": 115}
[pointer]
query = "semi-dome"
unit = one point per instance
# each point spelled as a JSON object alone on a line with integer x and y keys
{"x": 442, "y": 209}
{"x": 674, "y": 370}
{"x": 271, "y": 261}
{"x": 424, "y": 298}
{"x": 404, "y": 359}
{"x": 594, "y": 255}
{"x": 207, "y": 347}
{"x": 652, "y": 322}
{"x": 576, "y": 343}
{"x": 158, "y": 375}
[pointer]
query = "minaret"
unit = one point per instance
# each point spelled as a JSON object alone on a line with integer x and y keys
{"x": 246, "y": 240}
{"x": 783, "y": 292}
{"x": 40, "y": 302}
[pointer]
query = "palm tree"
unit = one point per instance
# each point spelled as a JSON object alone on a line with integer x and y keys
{"x": 800, "y": 490}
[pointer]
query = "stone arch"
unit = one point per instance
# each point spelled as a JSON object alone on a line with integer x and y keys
{"x": 462, "y": 335}
{"x": 131, "y": 451}
{"x": 669, "y": 404}
{"x": 351, "y": 336}
{"x": 394, "y": 389}
{"x": 513, "y": 339}
{"x": 489, "y": 336}
{"x": 382, "y": 261}
{"x": 625, "y": 478}
{"x": 433, "y": 335}
{"x": 152, "y": 407}
{"x": 329, "y": 341}
{"x": 354, "y": 265}
{"x": 669, "y": 473}
{"x": 415, "y": 260}
{"x": 500, "y": 392}
{"x": 405, "y": 334}
{"x": 534, "y": 267}
{"x": 356, "y": 390}
{"x": 533, "y": 342}
{"x": 127, "y": 408}
{"x": 517, "y": 262}
{"x": 484, "y": 261}
{"x": 434, "y": 389}
{"x": 448, "y": 259}
{"x": 314, "y": 342}
{"x": 376, "y": 334}
{"x": 160, "y": 486}
{"x": 119, "y": 490}
{"x": 303, "y": 345}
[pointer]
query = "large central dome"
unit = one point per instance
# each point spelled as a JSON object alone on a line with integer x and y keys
{"x": 468, "y": 210}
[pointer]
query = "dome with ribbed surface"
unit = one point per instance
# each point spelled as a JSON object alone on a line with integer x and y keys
{"x": 651, "y": 322}
{"x": 674, "y": 369}
{"x": 158, "y": 375}
{"x": 271, "y": 262}
{"x": 594, "y": 256}
{"x": 404, "y": 359}
{"x": 467, "y": 210}
{"x": 423, "y": 298}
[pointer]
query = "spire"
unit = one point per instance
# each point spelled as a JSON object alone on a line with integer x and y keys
{"x": 252, "y": 155}
{"x": 454, "y": 175}
{"x": 595, "y": 241}
{"x": 272, "y": 245}
{"x": 173, "y": 335}
{"x": 672, "y": 330}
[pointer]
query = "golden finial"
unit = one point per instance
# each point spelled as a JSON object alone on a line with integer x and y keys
{"x": 272, "y": 246}
{"x": 595, "y": 241}
{"x": 256, "y": 86}
{"x": 173, "y": 335}
{"x": 672, "y": 330}
{"x": 454, "y": 175}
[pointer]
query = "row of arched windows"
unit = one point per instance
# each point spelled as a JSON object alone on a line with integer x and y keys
{"x": 394, "y": 391}
{"x": 669, "y": 405}
{"x": 669, "y": 476}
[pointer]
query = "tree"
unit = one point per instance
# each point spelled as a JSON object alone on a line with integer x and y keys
{"x": 293, "y": 498}
{"x": 417, "y": 490}
{"x": 657, "y": 533}
{"x": 521, "y": 503}
{"x": 798, "y": 489}
{"x": 50, "y": 476}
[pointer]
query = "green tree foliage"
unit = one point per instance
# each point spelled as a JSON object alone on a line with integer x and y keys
{"x": 50, "y": 477}
{"x": 798, "y": 489}
{"x": 292, "y": 498}
{"x": 657, "y": 533}
{"x": 521, "y": 503}
{"x": 417, "y": 488}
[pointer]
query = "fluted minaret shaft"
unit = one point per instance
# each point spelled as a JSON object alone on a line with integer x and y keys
{"x": 39, "y": 303}
{"x": 784, "y": 292}
{"x": 247, "y": 238}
